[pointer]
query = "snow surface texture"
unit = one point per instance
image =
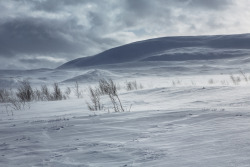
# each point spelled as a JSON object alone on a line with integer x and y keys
{"x": 189, "y": 113}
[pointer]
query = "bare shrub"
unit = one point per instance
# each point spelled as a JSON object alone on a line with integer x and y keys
{"x": 25, "y": 91}
{"x": 2, "y": 95}
{"x": 224, "y": 82}
{"x": 238, "y": 79}
{"x": 12, "y": 102}
{"x": 38, "y": 96}
{"x": 129, "y": 86}
{"x": 8, "y": 109}
{"x": 95, "y": 103}
{"x": 173, "y": 83}
{"x": 46, "y": 95}
{"x": 21, "y": 98}
{"x": 108, "y": 87}
{"x": 5, "y": 95}
{"x": 67, "y": 92}
{"x": 132, "y": 85}
{"x": 57, "y": 94}
{"x": 16, "y": 104}
{"x": 244, "y": 76}
{"x": 234, "y": 79}
{"x": 105, "y": 87}
{"x": 77, "y": 90}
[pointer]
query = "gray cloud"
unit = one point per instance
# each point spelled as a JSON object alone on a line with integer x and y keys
{"x": 64, "y": 30}
{"x": 31, "y": 36}
{"x": 211, "y": 4}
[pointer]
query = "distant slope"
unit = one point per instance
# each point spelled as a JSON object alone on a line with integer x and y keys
{"x": 92, "y": 75}
{"x": 170, "y": 49}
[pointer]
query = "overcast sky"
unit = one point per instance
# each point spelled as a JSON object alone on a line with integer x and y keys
{"x": 47, "y": 33}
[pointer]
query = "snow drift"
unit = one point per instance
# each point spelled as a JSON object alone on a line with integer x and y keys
{"x": 188, "y": 113}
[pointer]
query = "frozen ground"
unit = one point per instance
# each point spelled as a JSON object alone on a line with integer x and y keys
{"x": 191, "y": 123}
{"x": 189, "y": 113}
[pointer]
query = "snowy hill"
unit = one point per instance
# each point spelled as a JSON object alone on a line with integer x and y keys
{"x": 170, "y": 49}
{"x": 92, "y": 75}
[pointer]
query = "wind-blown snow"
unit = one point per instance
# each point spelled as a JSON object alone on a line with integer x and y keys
{"x": 175, "y": 126}
{"x": 189, "y": 112}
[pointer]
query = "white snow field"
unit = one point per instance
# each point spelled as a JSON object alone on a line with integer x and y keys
{"x": 192, "y": 111}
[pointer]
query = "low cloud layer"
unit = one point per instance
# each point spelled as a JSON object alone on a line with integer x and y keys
{"x": 47, "y": 33}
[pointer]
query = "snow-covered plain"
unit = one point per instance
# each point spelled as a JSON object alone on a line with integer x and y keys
{"x": 188, "y": 113}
